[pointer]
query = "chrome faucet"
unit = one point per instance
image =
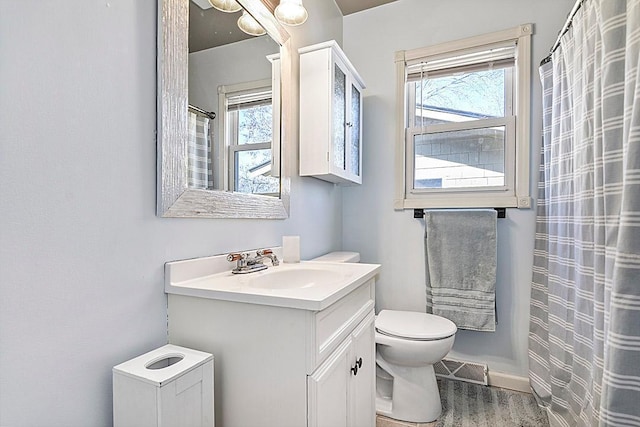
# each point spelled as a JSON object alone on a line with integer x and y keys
{"x": 247, "y": 264}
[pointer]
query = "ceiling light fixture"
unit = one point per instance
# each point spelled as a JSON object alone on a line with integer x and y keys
{"x": 291, "y": 12}
{"x": 249, "y": 25}
{"x": 228, "y": 6}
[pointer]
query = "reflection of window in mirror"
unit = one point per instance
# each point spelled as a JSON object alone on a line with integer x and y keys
{"x": 248, "y": 136}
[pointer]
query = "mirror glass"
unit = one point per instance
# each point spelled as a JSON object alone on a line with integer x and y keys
{"x": 230, "y": 104}
{"x": 221, "y": 112}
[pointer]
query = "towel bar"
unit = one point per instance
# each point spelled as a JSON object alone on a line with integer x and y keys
{"x": 419, "y": 213}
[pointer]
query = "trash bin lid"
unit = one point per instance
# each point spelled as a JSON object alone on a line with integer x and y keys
{"x": 163, "y": 364}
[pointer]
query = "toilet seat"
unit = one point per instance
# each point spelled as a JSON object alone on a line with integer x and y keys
{"x": 413, "y": 325}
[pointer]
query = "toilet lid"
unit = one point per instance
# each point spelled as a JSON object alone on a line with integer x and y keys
{"x": 414, "y": 325}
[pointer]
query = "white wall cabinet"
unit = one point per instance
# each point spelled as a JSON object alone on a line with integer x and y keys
{"x": 281, "y": 366}
{"x": 330, "y": 115}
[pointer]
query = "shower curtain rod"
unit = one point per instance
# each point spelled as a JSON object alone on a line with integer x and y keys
{"x": 564, "y": 30}
{"x": 209, "y": 114}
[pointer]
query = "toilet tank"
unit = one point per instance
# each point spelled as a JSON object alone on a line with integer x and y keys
{"x": 339, "y": 257}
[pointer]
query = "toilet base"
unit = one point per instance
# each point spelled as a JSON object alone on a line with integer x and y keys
{"x": 415, "y": 395}
{"x": 383, "y": 406}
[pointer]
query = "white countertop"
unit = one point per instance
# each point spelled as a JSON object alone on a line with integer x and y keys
{"x": 203, "y": 278}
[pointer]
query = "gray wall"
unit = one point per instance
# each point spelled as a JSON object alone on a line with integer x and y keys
{"x": 81, "y": 250}
{"x": 394, "y": 238}
{"x": 239, "y": 62}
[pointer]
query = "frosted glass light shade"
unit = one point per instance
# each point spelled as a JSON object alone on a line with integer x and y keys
{"x": 291, "y": 12}
{"x": 249, "y": 25}
{"x": 228, "y": 6}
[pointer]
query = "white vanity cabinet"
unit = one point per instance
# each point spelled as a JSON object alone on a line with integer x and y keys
{"x": 281, "y": 366}
{"x": 330, "y": 115}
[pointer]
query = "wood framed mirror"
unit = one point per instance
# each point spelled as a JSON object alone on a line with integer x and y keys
{"x": 175, "y": 198}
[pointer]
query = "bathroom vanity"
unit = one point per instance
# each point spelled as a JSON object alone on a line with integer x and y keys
{"x": 293, "y": 345}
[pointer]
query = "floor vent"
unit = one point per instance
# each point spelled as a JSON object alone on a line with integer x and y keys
{"x": 471, "y": 372}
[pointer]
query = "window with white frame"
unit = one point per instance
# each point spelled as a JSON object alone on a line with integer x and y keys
{"x": 247, "y": 129}
{"x": 464, "y": 140}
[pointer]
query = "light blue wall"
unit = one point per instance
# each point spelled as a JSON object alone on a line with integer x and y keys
{"x": 81, "y": 250}
{"x": 394, "y": 238}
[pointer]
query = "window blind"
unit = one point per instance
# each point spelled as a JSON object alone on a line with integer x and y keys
{"x": 249, "y": 100}
{"x": 494, "y": 57}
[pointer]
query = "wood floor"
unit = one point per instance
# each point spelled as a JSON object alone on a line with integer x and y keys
{"x": 477, "y": 405}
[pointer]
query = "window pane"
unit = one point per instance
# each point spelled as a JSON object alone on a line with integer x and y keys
{"x": 253, "y": 173}
{"x": 460, "y": 97}
{"x": 462, "y": 158}
{"x": 255, "y": 124}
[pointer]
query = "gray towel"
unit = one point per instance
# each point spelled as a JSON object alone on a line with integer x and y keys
{"x": 461, "y": 255}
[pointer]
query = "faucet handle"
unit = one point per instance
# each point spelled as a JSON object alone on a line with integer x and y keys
{"x": 268, "y": 253}
{"x": 236, "y": 257}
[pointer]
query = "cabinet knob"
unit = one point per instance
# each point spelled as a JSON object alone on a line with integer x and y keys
{"x": 359, "y": 362}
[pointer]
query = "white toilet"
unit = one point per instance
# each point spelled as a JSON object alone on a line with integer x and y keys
{"x": 339, "y": 257}
{"x": 407, "y": 345}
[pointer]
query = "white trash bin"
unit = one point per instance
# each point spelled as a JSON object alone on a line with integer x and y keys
{"x": 169, "y": 386}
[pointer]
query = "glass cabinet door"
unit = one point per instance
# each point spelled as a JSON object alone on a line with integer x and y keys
{"x": 354, "y": 129}
{"x": 339, "y": 118}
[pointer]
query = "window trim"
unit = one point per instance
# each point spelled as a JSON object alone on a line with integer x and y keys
{"x": 520, "y": 197}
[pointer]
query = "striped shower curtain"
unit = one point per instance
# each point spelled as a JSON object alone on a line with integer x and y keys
{"x": 584, "y": 340}
{"x": 199, "y": 170}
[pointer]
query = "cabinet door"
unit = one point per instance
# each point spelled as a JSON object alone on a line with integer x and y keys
{"x": 363, "y": 384}
{"x": 355, "y": 130}
{"x": 339, "y": 111}
{"x": 328, "y": 389}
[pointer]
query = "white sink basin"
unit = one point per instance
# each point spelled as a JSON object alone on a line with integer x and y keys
{"x": 307, "y": 285}
{"x": 293, "y": 278}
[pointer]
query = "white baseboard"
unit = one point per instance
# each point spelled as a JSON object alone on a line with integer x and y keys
{"x": 512, "y": 382}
